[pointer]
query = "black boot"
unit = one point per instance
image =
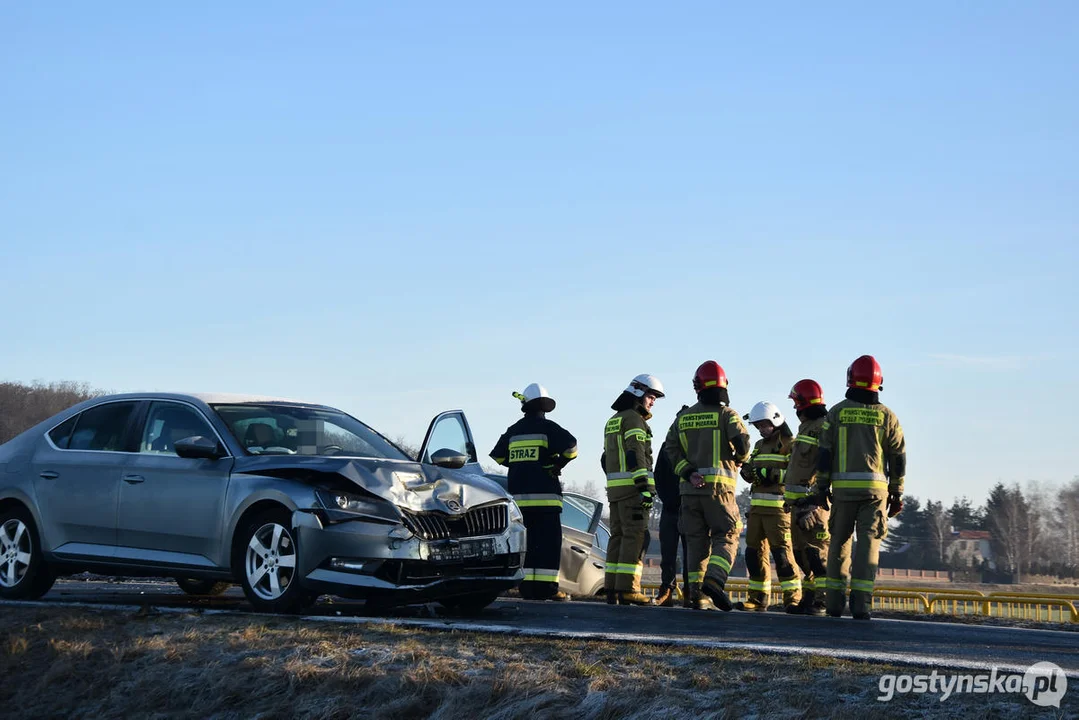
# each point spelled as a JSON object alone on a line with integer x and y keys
{"x": 612, "y": 597}
{"x": 805, "y": 606}
{"x": 695, "y": 599}
{"x": 717, "y": 594}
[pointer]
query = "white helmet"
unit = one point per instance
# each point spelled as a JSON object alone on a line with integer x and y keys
{"x": 645, "y": 383}
{"x": 535, "y": 391}
{"x": 765, "y": 411}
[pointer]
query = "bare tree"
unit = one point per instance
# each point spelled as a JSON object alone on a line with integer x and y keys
{"x": 406, "y": 447}
{"x": 1008, "y": 518}
{"x": 1039, "y": 540}
{"x": 590, "y": 488}
{"x": 1064, "y": 522}
{"x": 938, "y": 521}
{"x": 24, "y": 406}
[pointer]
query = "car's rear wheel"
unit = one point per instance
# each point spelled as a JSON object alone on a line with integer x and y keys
{"x": 469, "y": 604}
{"x": 269, "y": 561}
{"x": 191, "y": 586}
{"x": 24, "y": 574}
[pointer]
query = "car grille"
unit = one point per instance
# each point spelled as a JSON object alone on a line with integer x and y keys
{"x": 404, "y": 572}
{"x": 490, "y": 520}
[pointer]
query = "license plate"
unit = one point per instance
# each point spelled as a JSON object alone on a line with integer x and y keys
{"x": 458, "y": 550}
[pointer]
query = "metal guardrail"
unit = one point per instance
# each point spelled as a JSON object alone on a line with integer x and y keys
{"x": 1040, "y": 607}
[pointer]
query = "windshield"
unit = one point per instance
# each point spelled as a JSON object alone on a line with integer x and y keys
{"x": 272, "y": 429}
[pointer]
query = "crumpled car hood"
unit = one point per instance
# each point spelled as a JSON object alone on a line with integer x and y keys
{"x": 407, "y": 484}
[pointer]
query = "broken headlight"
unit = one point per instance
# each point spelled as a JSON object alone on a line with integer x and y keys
{"x": 341, "y": 505}
{"x": 515, "y": 513}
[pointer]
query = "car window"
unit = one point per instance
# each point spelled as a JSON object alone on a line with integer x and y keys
{"x": 602, "y": 537}
{"x": 61, "y": 434}
{"x": 102, "y": 427}
{"x": 168, "y": 422}
{"x": 577, "y": 513}
{"x": 278, "y": 429}
{"x": 448, "y": 434}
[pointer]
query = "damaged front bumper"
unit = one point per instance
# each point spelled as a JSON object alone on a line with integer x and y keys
{"x": 357, "y": 558}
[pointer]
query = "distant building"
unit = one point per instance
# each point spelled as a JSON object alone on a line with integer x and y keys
{"x": 972, "y": 548}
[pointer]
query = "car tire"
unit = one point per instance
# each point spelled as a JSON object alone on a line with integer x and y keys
{"x": 267, "y": 557}
{"x": 470, "y": 604}
{"x": 191, "y": 586}
{"x": 24, "y": 574}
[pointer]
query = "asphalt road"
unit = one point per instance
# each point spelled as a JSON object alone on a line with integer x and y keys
{"x": 923, "y": 643}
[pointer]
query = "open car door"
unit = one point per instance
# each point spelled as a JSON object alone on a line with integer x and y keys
{"x": 580, "y": 520}
{"x": 449, "y": 435}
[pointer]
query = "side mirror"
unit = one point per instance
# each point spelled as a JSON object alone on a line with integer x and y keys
{"x": 449, "y": 459}
{"x": 198, "y": 447}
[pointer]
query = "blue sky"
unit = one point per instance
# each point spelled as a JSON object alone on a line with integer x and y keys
{"x": 400, "y": 208}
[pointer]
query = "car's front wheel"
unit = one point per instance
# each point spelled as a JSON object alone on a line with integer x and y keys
{"x": 269, "y": 561}
{"x": 24, "y": 574}
{"x": 191, "y": 586}
{"x": 469, "y": 604}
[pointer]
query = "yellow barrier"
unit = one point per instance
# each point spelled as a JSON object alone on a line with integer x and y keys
{"x": 1049, "y": 596}
{"x": 1039, "y": 607}
{"x": 903, "y": 600}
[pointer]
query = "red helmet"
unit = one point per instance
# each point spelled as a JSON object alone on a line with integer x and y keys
{"x": 709, "y": 375}
{"x": 805, "y": 393}
{"x": 864, "y": 373}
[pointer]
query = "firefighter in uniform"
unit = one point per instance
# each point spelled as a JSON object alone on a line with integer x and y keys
{"x": 809, "y": 524}
{"x": 863, "y": 460}
{"x": 706, "y": 444}
{"x": 769, "y": 524}
{"x": 631, "y": 488}
{"x": 535, "y": 450}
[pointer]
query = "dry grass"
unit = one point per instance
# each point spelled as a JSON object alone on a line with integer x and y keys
{"x": 83, "y": 663}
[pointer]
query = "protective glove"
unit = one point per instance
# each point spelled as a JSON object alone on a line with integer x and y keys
{"x": 809, "y": 517}
{"x": 820, "y": 497}
{"x": 895, "y": 504}
{"x": 647, "y": 500}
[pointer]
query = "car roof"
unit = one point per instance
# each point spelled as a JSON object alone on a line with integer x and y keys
{"x": 238, "y": 398}
{"x": 207, "y": 398}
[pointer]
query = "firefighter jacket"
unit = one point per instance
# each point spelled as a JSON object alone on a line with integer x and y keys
{"x": 627, "y": 455}
{"x": 802, "y": 469}
{"x": 864, "y": 450}
{"x": 535, "y": 450}
{"x": 766, "y": 467}
{"x": 700, "y": 440}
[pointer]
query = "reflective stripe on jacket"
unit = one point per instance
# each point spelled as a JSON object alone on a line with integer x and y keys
{"x": 767, "y": 465}
{"x": 805, "y": 450}
{"x": 535, "y": 450}
{"x": 627, "y": 452}
{"x": 866, "y": 448}
{"x": 700, "y": 441}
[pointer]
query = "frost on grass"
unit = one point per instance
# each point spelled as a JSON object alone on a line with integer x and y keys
{"x": 85, "y": 663}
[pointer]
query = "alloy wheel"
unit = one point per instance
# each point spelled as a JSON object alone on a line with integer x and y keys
{"x": 270, "y": 561}
{"x": 15, "y": 552}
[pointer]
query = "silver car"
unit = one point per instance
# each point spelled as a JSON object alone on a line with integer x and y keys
{"x": 289, "y": 499}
